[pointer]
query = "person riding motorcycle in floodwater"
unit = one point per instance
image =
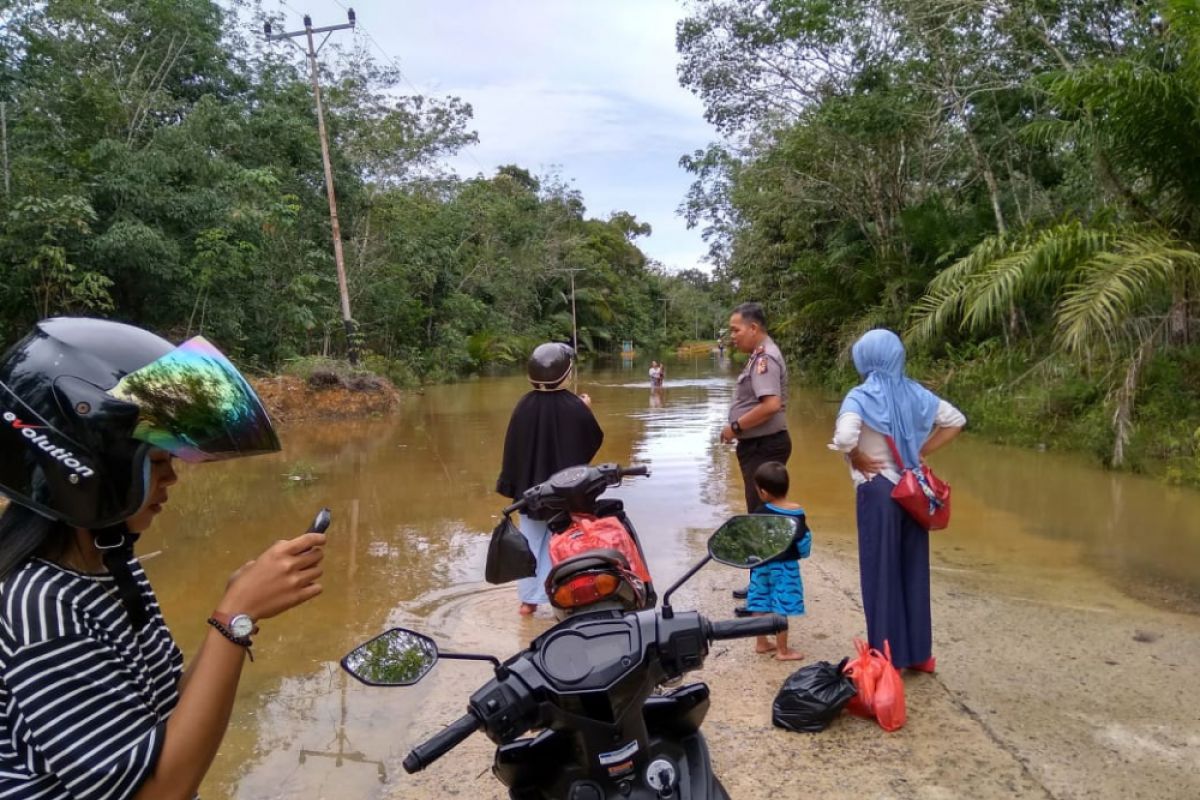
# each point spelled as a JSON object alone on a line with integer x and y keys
{"x": 95, "y": 702}
{"x": 551, "y": 428}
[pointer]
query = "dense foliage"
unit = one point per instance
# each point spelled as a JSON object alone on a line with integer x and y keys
{"x": 1013, "y": 184}
{"x": 161, "y": 165}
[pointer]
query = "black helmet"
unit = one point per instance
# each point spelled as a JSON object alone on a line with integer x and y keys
{"x": 82, "y": 401}
{"x": 550, "y": 365}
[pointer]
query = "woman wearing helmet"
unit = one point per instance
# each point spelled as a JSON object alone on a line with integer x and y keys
{"x": 94, "y": 701}
{"x": 550, "y": 429}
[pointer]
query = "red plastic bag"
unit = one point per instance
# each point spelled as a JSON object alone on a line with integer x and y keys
{"x": 880, "y": 689}
{"x": 589, "y": 533}
{"x": 864, "y": 671}
{"x": 889, "y": 695}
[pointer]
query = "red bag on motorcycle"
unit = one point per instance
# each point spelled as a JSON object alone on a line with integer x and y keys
{"x": 588, "y": 533}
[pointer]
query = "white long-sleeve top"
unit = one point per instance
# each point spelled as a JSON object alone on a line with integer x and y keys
{"x": 850, "y": 432}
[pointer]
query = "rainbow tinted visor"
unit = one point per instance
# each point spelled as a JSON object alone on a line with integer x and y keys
{"x": 194, "y": 404}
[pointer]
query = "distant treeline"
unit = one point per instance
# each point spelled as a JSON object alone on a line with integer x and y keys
{"x": 161, "y": 165}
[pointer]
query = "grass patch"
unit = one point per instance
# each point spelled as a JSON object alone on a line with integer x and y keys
{"x": 321, "y": 372}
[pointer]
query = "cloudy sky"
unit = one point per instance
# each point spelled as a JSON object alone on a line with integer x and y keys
{"x": 584, "y": 87}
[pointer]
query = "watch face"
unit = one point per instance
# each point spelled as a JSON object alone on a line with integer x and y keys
{"x": 241, "y": 626}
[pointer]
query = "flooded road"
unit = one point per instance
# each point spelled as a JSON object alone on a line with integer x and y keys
{"x": 413, "y": 506}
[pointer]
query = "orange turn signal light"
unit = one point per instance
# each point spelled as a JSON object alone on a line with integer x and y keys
{"x": 587, "y": 588}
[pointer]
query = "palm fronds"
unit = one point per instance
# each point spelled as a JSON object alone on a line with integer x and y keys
{"x": 1114, "y": 285}
{"x": 979, "y": 289}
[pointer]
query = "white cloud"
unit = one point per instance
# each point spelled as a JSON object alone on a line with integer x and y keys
{"x": 587, "y": 86}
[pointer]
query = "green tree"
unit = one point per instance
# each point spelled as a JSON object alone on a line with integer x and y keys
{"x": 1121, "y": 283}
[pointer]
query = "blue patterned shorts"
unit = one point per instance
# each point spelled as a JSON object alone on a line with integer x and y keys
{"x": 776, "y": 589}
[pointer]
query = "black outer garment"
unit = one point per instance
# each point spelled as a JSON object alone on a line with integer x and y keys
{"x": 548, "y": 431}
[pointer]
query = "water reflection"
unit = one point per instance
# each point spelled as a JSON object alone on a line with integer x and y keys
{"x": 413, "y": 503}
{"x": 341, "y": 741}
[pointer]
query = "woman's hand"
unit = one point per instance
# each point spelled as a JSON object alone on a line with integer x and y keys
{"x": 283, "y": 577}
{"x": 587, "y": 399}
{"x": 864, "y": 463}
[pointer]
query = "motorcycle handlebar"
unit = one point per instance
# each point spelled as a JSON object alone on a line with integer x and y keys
{"x": 440, "y": 743}
{"x": 517, "y": 506}
{"x": 631, "y": 471}
{"x": 745, "y": 628}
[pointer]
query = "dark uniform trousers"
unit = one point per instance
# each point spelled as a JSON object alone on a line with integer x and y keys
{"x": 753, "y": 453}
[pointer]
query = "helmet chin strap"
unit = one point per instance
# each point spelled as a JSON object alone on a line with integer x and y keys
{"x": 115, "y": 544}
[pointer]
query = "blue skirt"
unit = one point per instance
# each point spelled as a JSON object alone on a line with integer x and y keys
{"x": 776, "y": 589}
{"x": 893, "y": 563}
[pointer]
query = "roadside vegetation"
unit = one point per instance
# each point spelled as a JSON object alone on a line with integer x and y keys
{"x": 1013, "y": 186}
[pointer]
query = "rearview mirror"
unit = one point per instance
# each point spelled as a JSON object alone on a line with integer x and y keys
{"x": 749, "y": 540}
{"x": 399, "y": 657}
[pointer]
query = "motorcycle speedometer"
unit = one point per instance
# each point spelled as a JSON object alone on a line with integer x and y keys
{"x": 590, "y": 654}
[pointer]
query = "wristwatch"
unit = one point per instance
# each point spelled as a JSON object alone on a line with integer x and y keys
{"x": 736, "y": 427}
{"x": 237, "y": 628}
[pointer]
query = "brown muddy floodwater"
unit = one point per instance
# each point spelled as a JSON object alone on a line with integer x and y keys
{"x": 413, "y": 506}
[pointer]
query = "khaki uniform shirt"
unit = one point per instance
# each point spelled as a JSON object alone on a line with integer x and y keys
{"x": 765, "y": 374}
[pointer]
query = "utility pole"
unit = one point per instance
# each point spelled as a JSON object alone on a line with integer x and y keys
{"x": 4, "y": 138}
{"x": 574, "y": 323}
{"x": 311, "y": 53}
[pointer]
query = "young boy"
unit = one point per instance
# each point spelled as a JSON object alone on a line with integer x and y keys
{"x": 776, "y": 588}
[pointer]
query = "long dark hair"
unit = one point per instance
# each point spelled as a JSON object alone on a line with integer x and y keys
{"x": 25, "y": 533}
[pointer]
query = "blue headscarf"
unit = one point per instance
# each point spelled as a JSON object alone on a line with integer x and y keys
{"x": 887, "y": 399}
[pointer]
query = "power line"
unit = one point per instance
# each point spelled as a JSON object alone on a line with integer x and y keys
{"x": 291, "y": 8}
{"x": 360, "y": 29}
{"x": 395, "y": 62}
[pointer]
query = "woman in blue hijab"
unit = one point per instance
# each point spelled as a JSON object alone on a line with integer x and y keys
{"x": 893, "y": 550}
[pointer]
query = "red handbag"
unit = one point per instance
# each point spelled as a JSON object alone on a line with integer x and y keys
{"x": 925, "y": 496}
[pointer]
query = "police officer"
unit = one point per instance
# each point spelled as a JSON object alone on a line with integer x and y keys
{"x": 757, "y": 418}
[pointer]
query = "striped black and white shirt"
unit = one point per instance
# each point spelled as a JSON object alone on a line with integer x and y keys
{"x": 84, "y": 698}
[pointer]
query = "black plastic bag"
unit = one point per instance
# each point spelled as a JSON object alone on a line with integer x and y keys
{"x": 811, "y": 697}
{"x": 508, "y": 555}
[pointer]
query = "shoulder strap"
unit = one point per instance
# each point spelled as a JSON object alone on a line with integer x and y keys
{"x": 895, "y": 453}
{"x": 116, "y": 544}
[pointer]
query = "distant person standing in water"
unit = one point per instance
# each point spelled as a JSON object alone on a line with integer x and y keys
{"x": 757, "y": 418}
{"x": 657, "y": 374}
{"x": 551, "y": 429}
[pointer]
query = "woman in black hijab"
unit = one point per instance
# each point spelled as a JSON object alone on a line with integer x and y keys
{"x": 550, "y": 429}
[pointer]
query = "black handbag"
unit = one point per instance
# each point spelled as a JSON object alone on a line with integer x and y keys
{"x": 508, "y": 555}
